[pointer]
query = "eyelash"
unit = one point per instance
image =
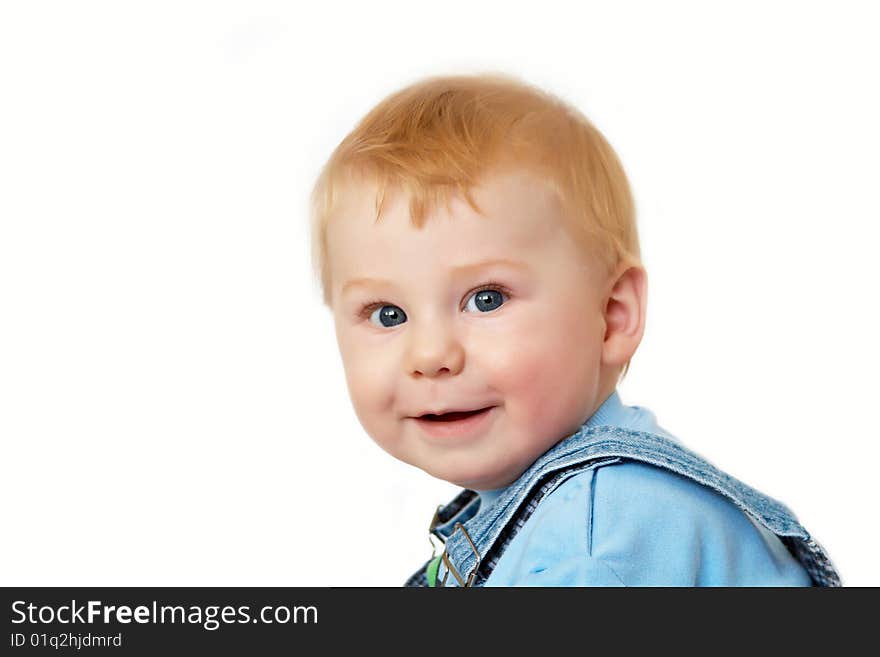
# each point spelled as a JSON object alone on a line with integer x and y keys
{"x": 368, "y": 309}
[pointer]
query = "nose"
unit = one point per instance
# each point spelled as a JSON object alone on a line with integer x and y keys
{"x": 434, "y": 350}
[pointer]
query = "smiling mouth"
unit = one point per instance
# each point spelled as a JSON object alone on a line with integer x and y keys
{"x": 453, "y": 416}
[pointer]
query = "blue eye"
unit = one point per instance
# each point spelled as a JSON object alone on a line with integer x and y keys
{"x": 388, "y": 313}
{"x": 487, "y": 299}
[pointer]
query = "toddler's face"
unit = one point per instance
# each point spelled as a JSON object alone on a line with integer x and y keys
{"x": 436, "y": 330}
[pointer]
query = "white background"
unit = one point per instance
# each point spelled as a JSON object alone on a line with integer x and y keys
{"x": 173, "y": 409}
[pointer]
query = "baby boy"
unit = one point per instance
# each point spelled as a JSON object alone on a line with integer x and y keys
{"x": 475, "y": 240}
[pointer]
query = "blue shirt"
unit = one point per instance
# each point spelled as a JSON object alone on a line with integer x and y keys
{"x": 634, "y": 524}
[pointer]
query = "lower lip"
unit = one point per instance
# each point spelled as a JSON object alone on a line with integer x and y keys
{"x": 456, "y": 428}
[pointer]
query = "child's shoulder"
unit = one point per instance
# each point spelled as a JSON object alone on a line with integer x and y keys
{"x": 613, "y": 499}
{"x": 637, "y": 523}
{"x": 635, "y": 493}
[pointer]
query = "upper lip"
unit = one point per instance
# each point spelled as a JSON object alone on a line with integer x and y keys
{"x": 457, "y": 409}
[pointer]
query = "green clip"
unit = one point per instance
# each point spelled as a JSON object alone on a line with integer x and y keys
{"x": 431, "y": 570}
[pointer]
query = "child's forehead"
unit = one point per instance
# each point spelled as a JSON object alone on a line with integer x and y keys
{"x": 516, "y": 233}
{"x": 445, "y": 242}
{"x": 519, "y": 200}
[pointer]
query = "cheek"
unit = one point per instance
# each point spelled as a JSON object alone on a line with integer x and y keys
{"x": 368, "y": 379}
{"x": 548, "y": 373}
{"x": 370, "y": 389}
{"x": 372, "y": 398}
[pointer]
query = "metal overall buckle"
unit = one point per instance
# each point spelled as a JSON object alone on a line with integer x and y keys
{"x": 450, "y": 568}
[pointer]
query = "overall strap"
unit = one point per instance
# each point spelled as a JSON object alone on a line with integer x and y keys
{"x": 460, "y": 509}
{"x": 474, "y": 544}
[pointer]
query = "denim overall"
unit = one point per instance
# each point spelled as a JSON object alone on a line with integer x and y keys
{"x": 474, "y": 543}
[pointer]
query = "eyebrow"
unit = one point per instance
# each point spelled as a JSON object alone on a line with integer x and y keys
{"x": 458, "y": 271}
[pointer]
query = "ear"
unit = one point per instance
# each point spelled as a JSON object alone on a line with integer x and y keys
{"x": 624, "y": 314}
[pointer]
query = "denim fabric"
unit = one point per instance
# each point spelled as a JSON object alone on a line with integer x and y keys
{"x": 612, "y": 505}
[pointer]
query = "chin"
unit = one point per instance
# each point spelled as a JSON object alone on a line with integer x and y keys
{"x": 458, "y": 477}
{"x": 464, "y": 470}
{"x": 480, "y": 481}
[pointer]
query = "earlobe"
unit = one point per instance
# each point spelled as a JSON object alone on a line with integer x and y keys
{"x": 625, "y": 311}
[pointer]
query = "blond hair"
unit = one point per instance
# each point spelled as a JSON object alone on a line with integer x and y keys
{"x": 439, "y": 136}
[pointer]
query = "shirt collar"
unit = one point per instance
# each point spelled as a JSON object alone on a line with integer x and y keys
{"x": 611, "y": 411}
